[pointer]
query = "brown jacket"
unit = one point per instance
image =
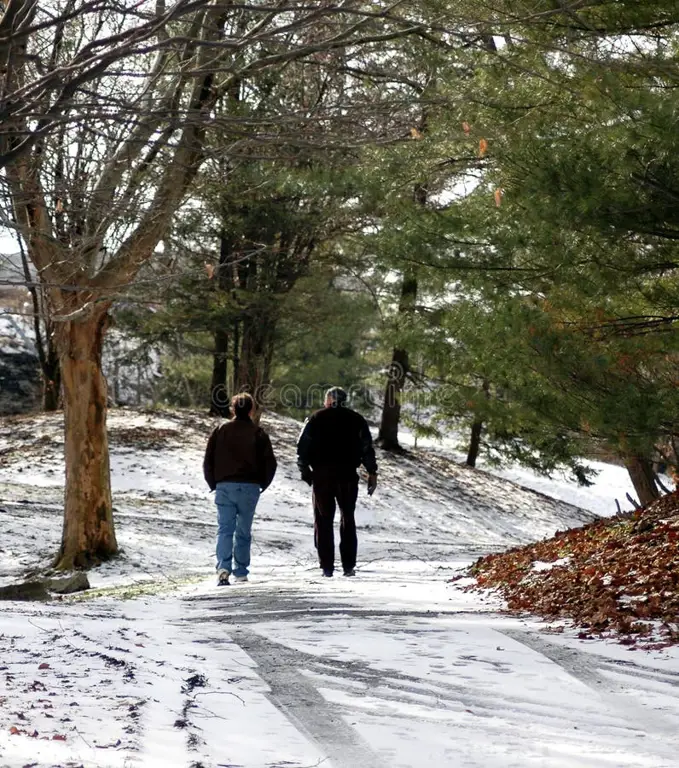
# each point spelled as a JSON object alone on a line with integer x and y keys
{"x": 239, "y": 452}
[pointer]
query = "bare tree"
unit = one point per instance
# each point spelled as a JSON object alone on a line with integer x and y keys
{"x": 106, "y": 118}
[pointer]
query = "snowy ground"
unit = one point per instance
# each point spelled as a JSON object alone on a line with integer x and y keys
{"x": 395, "y": 668}
{"x": 427, "y": 508}
{"x": 611, "y": 483}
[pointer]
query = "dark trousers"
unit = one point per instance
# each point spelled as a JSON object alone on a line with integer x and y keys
{"x": 333, "y": 485}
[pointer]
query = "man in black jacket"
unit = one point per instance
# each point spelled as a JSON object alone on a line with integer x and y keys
{"x": 239, "y": 464}
{"x": 334, "y": 442}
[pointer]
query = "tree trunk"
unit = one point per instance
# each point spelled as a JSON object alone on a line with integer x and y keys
{"x": 387, "y": 437}
{"x": 641, "y": 473}
{"x": 391, "y": 410}
{"x": 474, "y": 443}
{"x": 477, "y": 430}
{"x": 255, "y": 356}
{"x": 219, "y": 395}
{"x": 51, "y": 383}
{"x": 396, "y": 376}
{"x": 48, "y": 356}
{"x": 88, "y": 534}
{"x": 219, "y": 399}
{"x": 235, "y": 361}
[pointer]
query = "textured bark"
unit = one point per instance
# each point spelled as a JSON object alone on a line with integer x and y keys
{"x": 88, "y": 534}
{"x": 641, "y": 473}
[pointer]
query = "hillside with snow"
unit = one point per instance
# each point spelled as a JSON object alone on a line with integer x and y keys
{"x": 428, "y": 508}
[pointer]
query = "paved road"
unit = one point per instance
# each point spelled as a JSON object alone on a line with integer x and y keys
{"x": 374, "y": 680}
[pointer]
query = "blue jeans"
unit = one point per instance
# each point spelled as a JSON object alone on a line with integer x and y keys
{"x": 236, "y": 503}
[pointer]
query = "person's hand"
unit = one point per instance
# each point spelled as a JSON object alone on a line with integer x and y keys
{"x": 372, "y": 484}
{"x": 307, "y": 475}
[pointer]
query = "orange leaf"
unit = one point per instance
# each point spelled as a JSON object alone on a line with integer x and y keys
{"x": 14, "y": 731}
{"x": 209, "y": 268}
{"x": 483, "y": 147}
{"x": 498, "y": 197}
{"x": 466, "y": 127}
{"x": 416, "y": 133}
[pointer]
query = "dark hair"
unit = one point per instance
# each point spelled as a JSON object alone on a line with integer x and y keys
{"x": 242, "y": 404}
{"x": 337, "y": 396}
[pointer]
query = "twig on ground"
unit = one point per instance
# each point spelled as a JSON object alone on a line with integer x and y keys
{"x": 37, "y": 626}
{"x": 219, "y": 693}
{"x": 87, "y": 743}
{"x": 661, "y": 485}
{"x": 417, "y": 557}
{"x": 633, "y": 501}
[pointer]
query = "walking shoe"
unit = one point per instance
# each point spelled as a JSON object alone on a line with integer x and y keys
{"x": 349, "y": 572}
{"x": 327, "y": 572}
{"x": 240, "y": 579}
{"x": 222, "y": 578}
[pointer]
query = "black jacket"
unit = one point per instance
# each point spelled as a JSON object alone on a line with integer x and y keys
{"x": 239, "y": 452}
{"x": 336, "y": 436}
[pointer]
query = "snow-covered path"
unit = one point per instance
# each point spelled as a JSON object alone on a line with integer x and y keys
{"x": 396, "y": 668}
{"x": 392, "y": 670}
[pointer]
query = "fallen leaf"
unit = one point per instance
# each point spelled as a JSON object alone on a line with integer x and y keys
{"x": 44, "y": 665}
{"x": 483, "y": 147}
{"x": 58, "y": 737}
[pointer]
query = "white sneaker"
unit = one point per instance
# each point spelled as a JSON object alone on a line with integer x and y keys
{"x": 240, "y": 579}
{"x": 222, "y": 578}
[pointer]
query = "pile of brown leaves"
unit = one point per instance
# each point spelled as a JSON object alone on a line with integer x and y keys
{"x": 615, "y": 576}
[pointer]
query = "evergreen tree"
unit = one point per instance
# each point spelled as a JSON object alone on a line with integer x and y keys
{"x": 574, "y": 228}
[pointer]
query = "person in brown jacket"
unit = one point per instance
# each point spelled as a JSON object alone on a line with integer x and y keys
{"x": 239, "y": 464}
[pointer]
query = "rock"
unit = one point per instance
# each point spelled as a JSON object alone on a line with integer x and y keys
{"x": 28, "y": 590}
{"x": 78, "y": 582}
{"x": 39, "y": 589}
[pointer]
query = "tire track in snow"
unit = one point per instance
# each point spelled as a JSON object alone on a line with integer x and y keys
{"x": 589, "y": 670}
{"x": 299, "y": 700}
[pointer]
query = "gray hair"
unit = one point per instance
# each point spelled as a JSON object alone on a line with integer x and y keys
{"x": 336, "y": 395}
